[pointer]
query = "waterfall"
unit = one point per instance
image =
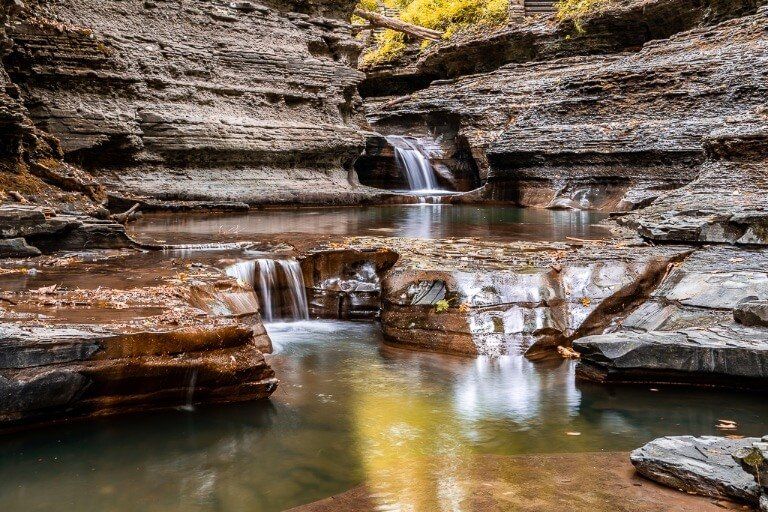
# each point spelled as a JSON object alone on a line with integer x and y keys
{"x": 279, "y": 284}
{"x": 413, "y": 161}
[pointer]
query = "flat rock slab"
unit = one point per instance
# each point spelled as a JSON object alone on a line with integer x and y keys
{"x": 702, "y": 465}
{"x": 730, "y": 355}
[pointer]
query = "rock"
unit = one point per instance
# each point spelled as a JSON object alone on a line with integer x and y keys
{"x": 730, "y": 356}
{"x": 624, "y": 26}
{"x": 142, "y": 347}
{"x": 703, "y": 290}
{"x": 726, "y": 203}
{"x": 601, "y": 131}
{"x": 752, "y": 313}
{"x": 764, "y": 503}
{"x": 29, "y": 221}
{"x": 702, "y": 465}
{"x": 684, "y": 332}
{"x": 501, "y": 298}
{"x": 17, "y": 248}
{"x": 244, "y": 103}
{"x": 754, "y": 460}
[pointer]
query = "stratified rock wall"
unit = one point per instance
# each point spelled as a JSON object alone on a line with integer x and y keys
{"x": 608, "y": 132}
{"x": 196, "y": 100}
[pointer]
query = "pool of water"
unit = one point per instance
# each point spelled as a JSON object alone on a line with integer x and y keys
{"x": 422, "y": 221}
{"x": 349, "y": 411}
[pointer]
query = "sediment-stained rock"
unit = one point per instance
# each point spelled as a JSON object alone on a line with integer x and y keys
{"x": 701, "y": 465}
{"x": 609, "y": 131}
{"x": 67, "y": 351}
{"x": 345, "y": 284}
{"x": 473, "y": 297}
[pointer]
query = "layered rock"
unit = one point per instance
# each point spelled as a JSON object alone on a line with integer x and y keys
{"x": 203, "y": 101}
{"x": 69, "y": 351}
{"x": 699, "y": 465}
{"x": 26, "y": 230}
{"x": 619, "y": 25}
{"x": 609, "y": 131}
{"x": 685, "y": 332}
{"x": 726, "y": 203}
{"x": 473, "y": 297}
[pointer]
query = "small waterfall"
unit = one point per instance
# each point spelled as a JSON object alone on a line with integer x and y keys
{"x": 413, "y": 160}
{"x": 279, "y": 284}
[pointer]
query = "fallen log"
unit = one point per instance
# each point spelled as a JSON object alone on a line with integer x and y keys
{"x": 378, "y": 20}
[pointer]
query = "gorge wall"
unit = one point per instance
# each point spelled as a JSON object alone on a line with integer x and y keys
{"x": 190, "y": 101}
{"x": 611, "y": 131}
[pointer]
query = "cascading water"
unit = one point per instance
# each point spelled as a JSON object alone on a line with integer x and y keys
{"x": 413, "y": 161}
{"x": 279, "y": 284}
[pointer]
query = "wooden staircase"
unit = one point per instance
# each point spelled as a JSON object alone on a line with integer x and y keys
{"x": 540, "y": 7}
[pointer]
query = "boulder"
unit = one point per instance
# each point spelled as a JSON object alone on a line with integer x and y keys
{"x": 700, "y": 465}
{"x": 17, "y": 248}
{"x": 726, "y": 355}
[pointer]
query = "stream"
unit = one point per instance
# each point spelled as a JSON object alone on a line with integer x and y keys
{"x": 349, "y": 410}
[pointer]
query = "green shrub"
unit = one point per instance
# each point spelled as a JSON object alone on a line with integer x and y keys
{"x": 449, "y": 16}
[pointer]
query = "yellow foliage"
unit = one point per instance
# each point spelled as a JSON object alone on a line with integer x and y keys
{"x": 576, "y": 10}
{"x": 449, "y": 16}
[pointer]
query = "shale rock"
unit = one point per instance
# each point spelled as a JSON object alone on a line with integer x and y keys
{"x": 726, "y": 203}
{"x": 731, "y": 356}
{"x": 17, "y": 248}
{"x": 216, "y": 101}
{"x": 49, "y": 232}
{"x": 684, "y": 332}
{"x": 609, "y": 131}
{"x": 702, "y": 465}
{"x": 67, "y": 351}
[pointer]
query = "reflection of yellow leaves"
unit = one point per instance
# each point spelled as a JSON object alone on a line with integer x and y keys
{"x": 586, "y": 302}
{"x": 568, "y": 353}
{"x": 182, "y": 276}
{"x": 464, "y": 307}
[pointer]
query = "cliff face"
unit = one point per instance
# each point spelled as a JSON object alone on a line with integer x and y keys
{"x": 611, "y": 131}
{"x": 202, "y": 100}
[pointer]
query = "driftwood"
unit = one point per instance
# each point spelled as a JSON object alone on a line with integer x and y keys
{"x": 377, "y": 20}
{"x": 131, "y": 214}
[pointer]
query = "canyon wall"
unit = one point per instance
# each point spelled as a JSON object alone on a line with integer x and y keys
{"x": 611, "y": 131}
{"x": 192, "y": 100}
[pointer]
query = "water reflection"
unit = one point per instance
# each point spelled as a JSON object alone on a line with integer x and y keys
{"x": 348, "y": 412}
{"x": 423, "y": 221}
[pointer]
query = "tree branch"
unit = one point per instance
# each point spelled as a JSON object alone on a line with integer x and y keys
{"x": 377, "y": 20}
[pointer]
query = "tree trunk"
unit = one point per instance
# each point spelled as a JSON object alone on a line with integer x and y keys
{"x": 377, "y": 20}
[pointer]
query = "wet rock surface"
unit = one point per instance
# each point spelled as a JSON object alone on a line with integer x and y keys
{"x": 66, "y": 351}
{"x": 473, "y": 297}
{"x": 730, "y": 356}
{"x": 685, "y": 332}
{"x": 609, "y": 131}
{"x": 700, "y": 465}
